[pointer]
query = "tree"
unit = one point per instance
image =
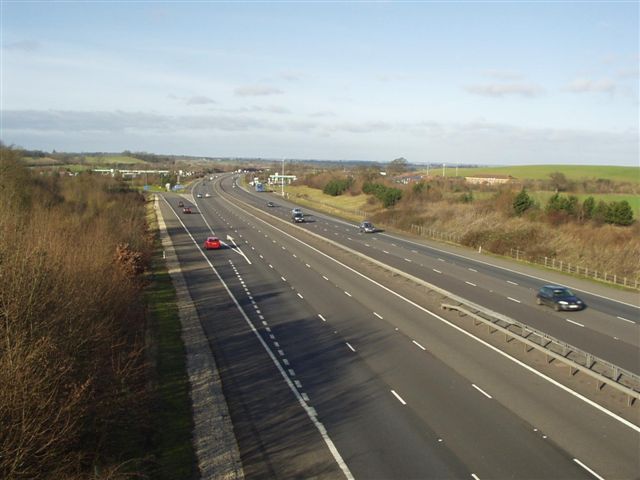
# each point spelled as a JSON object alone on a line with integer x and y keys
{"x": 620, "y": 213}
{"x": 522, "y": 202}
{"x": 398, "y": 166}
{"x": 588, "y": 206}
{"x": 601, "y": 212}
{"x": 559, "y": 181}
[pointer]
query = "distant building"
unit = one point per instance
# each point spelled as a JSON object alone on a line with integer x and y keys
{"x": 408, "y": 178}
{"x": 278, "y": 179}
{"x": 488, "y": 179}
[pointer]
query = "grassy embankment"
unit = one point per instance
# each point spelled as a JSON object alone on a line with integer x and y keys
{"x": 173, "y": 449}
{"x": 542, "y": 172}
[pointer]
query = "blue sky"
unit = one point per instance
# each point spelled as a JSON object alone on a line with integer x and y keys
{"x": 469, "y": 82}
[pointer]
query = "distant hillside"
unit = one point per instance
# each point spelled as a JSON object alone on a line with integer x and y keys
{"x": 542, "y": 172}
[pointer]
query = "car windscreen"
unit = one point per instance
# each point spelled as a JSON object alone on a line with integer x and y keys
{"x": 562, "y": 292}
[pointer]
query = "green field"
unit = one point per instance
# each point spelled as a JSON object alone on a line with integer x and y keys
{"x": 542, "y": 172}
{"x": 112, "y": 160}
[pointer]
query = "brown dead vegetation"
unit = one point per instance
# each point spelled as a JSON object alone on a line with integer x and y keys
{"x": 73, "y": 402}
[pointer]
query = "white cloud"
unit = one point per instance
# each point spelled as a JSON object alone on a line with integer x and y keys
{"x": 585, "y": 85}
{"x": 256, "y": 90}
{"x": 503, "y": 74}
{"x": 199, "y": 100}
{"x": 504, "y": 89}
{"x": 24, "y": 46}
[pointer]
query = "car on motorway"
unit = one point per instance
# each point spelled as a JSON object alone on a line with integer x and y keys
{"x": 180, "y": 204}
{"x": 367, "y": 227}
{"x": 212, "y": 243}
{"x": 271, "y": 204}
{"x": 560, "y": 298}
{"x": 199, "y": 195}
{"x": 207, "y": 195}
{"x": 298, "y": 217}
{"x": 296, "y": 210}
{"x": 186, "y": 210}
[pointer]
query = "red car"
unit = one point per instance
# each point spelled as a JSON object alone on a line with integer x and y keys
{"x": 212, "y": 243}
{"x": 186, "y": 210}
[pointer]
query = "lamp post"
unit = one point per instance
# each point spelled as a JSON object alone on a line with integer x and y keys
{"x": 282, "y": 179}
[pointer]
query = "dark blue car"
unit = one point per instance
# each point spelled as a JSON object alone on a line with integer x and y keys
{"x": 560, "y": 298}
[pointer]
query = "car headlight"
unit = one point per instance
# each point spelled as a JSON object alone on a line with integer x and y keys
{"x": 562, "y": 302}
{"x": 579, "y": 301}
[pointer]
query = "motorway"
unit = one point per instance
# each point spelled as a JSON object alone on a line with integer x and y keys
{"x": 328, "y": 373}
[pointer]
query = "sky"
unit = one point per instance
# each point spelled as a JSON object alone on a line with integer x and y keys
{"x": 498, "y": 83}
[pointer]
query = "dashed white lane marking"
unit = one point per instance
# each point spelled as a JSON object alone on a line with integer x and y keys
{"x": 349, "y": 345}
{"x": 322, "y": 318}
{"x": 308, "y": 266}
{"x": 512, "y": 283}
{"x": 625, "y": 320}
{"x": 407, "y": 260}
{"x": 349, "y": 238}
{"x": 437, "y": 271}
{"x": 347, "y": 293}
{"x": 270, "y": 266}
{"x": 261, "y": 257}
{"x": 472, "y": 269}
{"x": 398, "y": 397}
{"x": 281, "y": 353}
{"x": 481, "y": 391}
{"x": 305, "y": 396}
{"x": 441, "y": 260}
{"x": 325, "y": 277}
{"x": 575, "y": 323}
{"x": 514, "y": 300}
{"x": 285, "y": 361}
{"x": 472, "y": 284}
{"x": 419, "y": 346}
{"x": 475, "y": 477}
{"x": 378, "y": 315}
{"x": 295, "y": 256}
{"x": 276, "y": 344}
{"x": 291, "y": 372}
{"x": 283, "y": 279}
{"x": 272, "y": 337}
{"x": 300, "y": 296}
{"x": 588, "y": 469}
{"x": 367, "y": 245}
{"x": 298, "y": 384}
{"x": 414, "y": 251}
{"x": 384, "y": 251}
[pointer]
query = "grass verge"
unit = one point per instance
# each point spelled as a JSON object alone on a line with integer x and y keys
{"x": 173, "y": 421}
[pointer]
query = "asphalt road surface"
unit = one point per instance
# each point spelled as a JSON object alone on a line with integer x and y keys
{"x": 329, "y": 374}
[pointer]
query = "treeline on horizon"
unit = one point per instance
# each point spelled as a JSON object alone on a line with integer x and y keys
{"x": 74, "y": 398}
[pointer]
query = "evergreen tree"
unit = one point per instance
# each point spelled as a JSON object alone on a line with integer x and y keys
{"x": 522, "y": 202}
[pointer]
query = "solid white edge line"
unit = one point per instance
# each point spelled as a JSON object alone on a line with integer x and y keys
{"x": 419, "y": 346}
{"x": 481, "y": 391}
{"x": 349, "y": 345}
{"x": 398, "y": 397}
{"x": 532, "y": 370}
{"x": 588, "y": 469}
{"x": 314, "y": 419}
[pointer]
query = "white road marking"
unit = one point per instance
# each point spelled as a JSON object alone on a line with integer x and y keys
{"x": 475, "y": 477}
{"x": 285, "y": 361}
{"x": 347, "y": 293}
{"x": 325, "y": 277}
{"x": 496, "y": 350}
{"x": 378, "y": 315}
{"x": 295, "y": 256}
{"x": 322, "y": 318}
{"x": 300, "y": 296}
{"x": 588, "y": 469}
{"x": 414, "y": 251}
{"x": 272, "y": 337}
{"x": 514, "y": 300}
{"x": 575, "y": 323}
{"x": 291, "y": 372}
{"x": 384, "y": 251}
{"x": 283, "y": 279}
{"x": 481, "y": 391}
{"x": 349, "y": 238}
{"x": 298, "y": 384}
{"x": 261, "y": 256}
{"x": 305, "y": 396}
{"x": 349, "y": 345}
{"x": 419, "y": 346}
{"x": 625, "y": 320}
{"x": 407, "y": 260}
{"x": 472, "y": 270}
{"x": 270, "y": 266}
{"x": 308, "y": 266}
{"x": 276, "y": 344}
{"x": 398, "y": 397}
{"x": 441, "y": 260}
{"x": 437, "y": 271}
{"x": 281, "y": 353}
{"x": 512, "y": 283}
{"x": 472, "y": 284}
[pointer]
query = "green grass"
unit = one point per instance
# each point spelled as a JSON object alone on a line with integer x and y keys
{"x": 111, "y": 160}
{"x": 346, "y": 206}
{"x": 173, "y": 423}
{"x": 542, "y": 172}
